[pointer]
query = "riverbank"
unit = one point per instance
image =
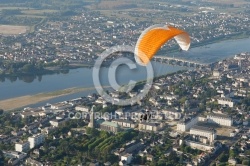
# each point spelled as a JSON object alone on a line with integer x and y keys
{"x": 20, "y": 102}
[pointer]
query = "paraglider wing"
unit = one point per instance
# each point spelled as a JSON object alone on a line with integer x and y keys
{"x": 156, "y": 36}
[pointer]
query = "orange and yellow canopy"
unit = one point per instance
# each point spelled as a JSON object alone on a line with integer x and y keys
{"x": 156, "y": 36}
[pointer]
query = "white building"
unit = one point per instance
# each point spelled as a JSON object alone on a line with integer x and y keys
{"x": 125, "y": 123}
{"x": 209, "y": 133}
{"x": 57, "y": 122}
{"x": 13, "y": 154}
{"x": 220, "y": 119}
{"x": 36, "y": 140}
{"x": 147, "y": 126}
{"x": 226, "y": 102}
{"x": 232, "y": 134}
{"x": 127, "y": 158}
{"x": 216, "y": 73}
{"x": 61, "y": 106}
{"x": 82, "y": 108}
{"x": 119, "y": 112}
{"x": 171, "y": 97}
{"x": 171, "y": 114}
{"x": 186, "y": 124}
{"x": 22, "y": 146}
{"x": 153, "y": 101}
{"x": 200, "y": 146}
{"x": 33, "y": 162}
{"x": 232, "y": 162}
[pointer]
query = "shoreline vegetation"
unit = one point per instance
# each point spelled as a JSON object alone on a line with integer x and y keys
{"x": 31, "y": 69}
{"x": 22, "y": 101}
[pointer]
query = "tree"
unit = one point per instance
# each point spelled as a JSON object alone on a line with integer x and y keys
{"x": 28, "y": 68}
{"x": 223, "y": 157}
{"x": 40, "y": 65}
{"x": 1, "y": 111}
{"x": 187, "y": 149}
{"x": 183, "y": 145}
{"x": 161, "y": 163}
{"x": 232, "y": 153}
{"x": 64, "y": 63}
{"x": 246, "y": 162}
{"x": 247, "y": 152}
{"x": 92, "y": 132}
{"x": 143, "y": 160}
{"x": 222, "y": 164}
{"x": 112, "y": 158}
{"x": 173, "y": 157}
{"x": 1, "y": 158}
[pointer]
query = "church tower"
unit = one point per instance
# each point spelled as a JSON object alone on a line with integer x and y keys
{"x": 240, "y": 64}
{"x": 92, "y": 118}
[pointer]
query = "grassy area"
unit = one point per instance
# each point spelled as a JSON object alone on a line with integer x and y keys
{"x": 12, "y": 8}
{"x": 35, "y": 16}
{"x": 31, "y": 16}
{"x": 124, "y": 14}
{"x": 109, "y": 4}
{"x": 13, "y": 30}
{"x": 38, "y": 12}
{"x": 114, "y": 14}
{"x": 228, "y": 2}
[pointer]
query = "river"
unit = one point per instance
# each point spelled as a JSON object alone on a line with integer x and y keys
{"x": 216, "y": 51}
{"x": 83, "y": 77}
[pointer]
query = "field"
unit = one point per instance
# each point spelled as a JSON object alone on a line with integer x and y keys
{"x": 12, "y": 29}
{"x": 12, "y": 8}
{"x": 105, "y": 5}
{"x": 27, "y": 18}
{"x": 238, "y": 2}
{"x": 38, "y": 12}
{"x": 223, "y": 131}
{"x": 31, "y": 16}
{"x": 124, "y": 14}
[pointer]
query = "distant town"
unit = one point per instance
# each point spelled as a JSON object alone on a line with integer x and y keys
{"x": 194, "y": 117}
{"x": 76, "y": 41}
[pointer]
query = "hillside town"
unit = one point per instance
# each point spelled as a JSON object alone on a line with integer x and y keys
{"x": 199, "y": 116}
